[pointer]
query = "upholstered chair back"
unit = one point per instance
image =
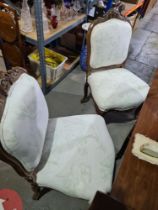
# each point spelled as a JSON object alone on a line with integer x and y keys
{"x": 24, "y": 122}
{"x": 109, "y": 42}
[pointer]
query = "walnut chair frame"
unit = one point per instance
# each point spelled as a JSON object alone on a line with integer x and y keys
{"x": 5, "y": 84}
{"x": 112, "y": 13}
{"x": 9, "y": 41}
{"x": 30, "y": 177}
{"x": 30, "y": 174}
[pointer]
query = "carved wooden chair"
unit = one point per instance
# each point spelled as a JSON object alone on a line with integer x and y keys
{"x": 74, "y": 155}
{"x": 10, "y": 38}
{"x": 112, "y": 86}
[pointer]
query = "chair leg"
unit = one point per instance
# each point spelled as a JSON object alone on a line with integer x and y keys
{"x": 138, "y": 110}
{"x": 36, "y": 191}
{"x": 124, "y": 146}
{"x": 39, "y": 192}
{"x": 114, "y": 172}
{"x": 86, "y": 95}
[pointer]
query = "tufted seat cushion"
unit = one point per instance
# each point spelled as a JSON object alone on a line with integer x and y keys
{"x": 117, "y": 89}
{"x": 81, "y": 159}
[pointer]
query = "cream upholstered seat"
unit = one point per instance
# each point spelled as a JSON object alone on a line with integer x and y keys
{"x": 112, "y": 86}
{"x": 125, "y": 90}
{"x": 81, "y": 155}
{"x": 81, "y": 158}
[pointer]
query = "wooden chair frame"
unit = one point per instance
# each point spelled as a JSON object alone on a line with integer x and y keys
{"x": 5, "y": 84}
{"x": 18, "y": 167}
{"x": 29, "y": 176}
{"x": 7, "y": 9}
{"x": 113, "y": 13}
{"x": 12, "y": 161}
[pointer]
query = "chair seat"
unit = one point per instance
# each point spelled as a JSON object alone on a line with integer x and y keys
{"x": 81, "y": 159}
{"x": 117, "y": 89}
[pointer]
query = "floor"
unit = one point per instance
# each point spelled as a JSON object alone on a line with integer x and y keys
{"x": 142, "y": 59}
{"x": 64, "y": 100}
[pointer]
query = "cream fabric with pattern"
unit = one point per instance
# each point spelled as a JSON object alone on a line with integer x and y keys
{"x": 110, "y": 43}
{"x": 24, "y": 122}
{"x": 81, "y": 159}
{"x": 117, "y": 89}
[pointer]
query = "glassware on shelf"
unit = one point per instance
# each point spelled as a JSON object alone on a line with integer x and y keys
{"x": 52, "y": 10}
{"x": 45, "y": 20}
{"x": 67, "y": 3}
{"x": 76, "y": 6}
{"x": 57, "y": 9}
{"x": 67, "y": 11}
{"x": 54, "y": 21}
{"x": 72, "y": 12}
{"x": 54, "y": 18}
{"x": 26, "y": 20}
{"x": 63, "y": 13}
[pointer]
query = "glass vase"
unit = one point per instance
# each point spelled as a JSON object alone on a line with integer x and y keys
{"x": 26, "y": 20}
{"x": 45, "y": 19}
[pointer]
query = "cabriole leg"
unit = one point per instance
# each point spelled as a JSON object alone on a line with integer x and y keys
{"x": 86, "y": 94}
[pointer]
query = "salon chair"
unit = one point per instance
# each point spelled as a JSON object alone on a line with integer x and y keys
{"x": 111, "y": 86}
{"x": 74, "y": 155}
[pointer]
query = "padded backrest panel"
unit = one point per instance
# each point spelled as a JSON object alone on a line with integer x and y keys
{"x": 24, "y": 122}
{"x": 109, "y": 43}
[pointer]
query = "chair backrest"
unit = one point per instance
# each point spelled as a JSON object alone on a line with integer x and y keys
{"x": 24, "y": 120}
{"x": 108, "y": 41}
{"x": 10, "y": 38}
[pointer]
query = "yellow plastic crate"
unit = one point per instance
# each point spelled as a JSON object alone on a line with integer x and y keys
{"x": 54, "y": 63}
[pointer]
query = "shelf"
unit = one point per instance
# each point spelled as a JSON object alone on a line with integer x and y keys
{"x": 67, "y": 66}
{"x": 56, "y": 82}
{"x": 40, "y": 40}
{"x": 51, "y": 85}
{"x": 73, "y": 56}
{"x": 72, "y": 60}
{"x": 62, "y": 28}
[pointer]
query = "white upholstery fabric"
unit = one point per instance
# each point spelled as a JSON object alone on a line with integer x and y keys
{"x": 110, "y": 43}
{"x": 24, "y": 122}
{"x": 81, "y": 159}
{"x": 117, "y": 89}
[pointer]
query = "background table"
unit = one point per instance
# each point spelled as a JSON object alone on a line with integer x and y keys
{"x": 137, "y": 182}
